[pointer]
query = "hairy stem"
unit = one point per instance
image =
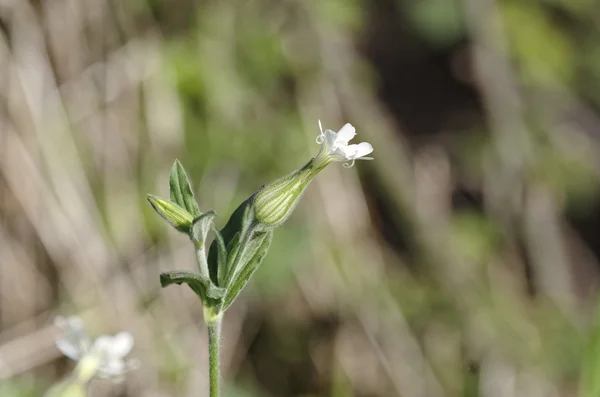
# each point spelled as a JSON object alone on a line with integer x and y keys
{"x": 214, "y": 335}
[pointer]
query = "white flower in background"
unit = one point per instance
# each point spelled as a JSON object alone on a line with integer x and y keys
{"x": 334, "y": 146}
{"x": 104, "y": 358}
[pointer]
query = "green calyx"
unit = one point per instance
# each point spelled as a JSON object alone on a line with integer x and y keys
{"x": 275, "y": 202}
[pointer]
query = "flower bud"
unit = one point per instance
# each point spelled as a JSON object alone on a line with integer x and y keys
{"x": 178, "y": 217}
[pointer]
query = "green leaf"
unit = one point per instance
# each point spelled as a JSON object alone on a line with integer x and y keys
{"x": 202, "y": 287}
{"x": 239, "y": 222}
{"x": 194, "y": 281}
{"x": 232, "y": 250}
{"x": 242, "y": 245}
{"x": 244, "y": 252}
{"x": 221, "y": 256}
{"x": 178, "y": 217}
{"x": 181, "y": 190}
{"x": 201, "y": 226}
{"x": 242, "y": 278}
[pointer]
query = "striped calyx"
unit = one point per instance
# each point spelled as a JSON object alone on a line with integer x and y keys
{"x": 276, "y": 201}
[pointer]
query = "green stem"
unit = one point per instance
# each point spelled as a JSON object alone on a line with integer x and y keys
{"x": 214, "y": 335}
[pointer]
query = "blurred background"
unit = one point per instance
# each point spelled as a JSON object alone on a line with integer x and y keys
{"x": 462, "y": 261}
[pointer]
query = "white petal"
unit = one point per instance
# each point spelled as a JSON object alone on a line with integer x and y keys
{"x": 354, "y": 152}
{"x": 116, "y": 369}
{"x": 114, "y": 347}
{"x": 68, "y": 348}
{"x": 330, "y": 138}
{"x": 75, "y": 343}
{"x": 339, "y": 154}
{"x": 320, "y": 127}
{"x": 122, "y": 344}
{"x": 363, "y": 149}
{"x": 349, "y": 151}
{"x": 112, "y": 369}
{"x": 345, "y": 134}
{"x": 103, "y": 343}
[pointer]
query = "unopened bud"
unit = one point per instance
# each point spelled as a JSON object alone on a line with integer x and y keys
{"x": 178, "y": 217}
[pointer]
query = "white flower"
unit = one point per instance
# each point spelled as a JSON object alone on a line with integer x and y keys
{"x": 334, "y": 146}
{"x": 103, "y": 358}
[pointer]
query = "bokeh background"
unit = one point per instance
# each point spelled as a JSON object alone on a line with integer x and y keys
{"x": 463, "y": 261}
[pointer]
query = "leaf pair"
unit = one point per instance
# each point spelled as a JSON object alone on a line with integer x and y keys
{"x": 235, "y": 253}
{"x": 182, "y": 209}
{"x": 260, "y": 244}
{"x": 234, "y": 259}
{"x": 183, "y": 213}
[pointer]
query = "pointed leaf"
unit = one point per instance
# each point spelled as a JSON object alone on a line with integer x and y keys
{"x": 178, "y": 217}
{"x": 242, "y": 278}
{"x": 194, "y": 281}
{"x": 203, "y": 288}
{"x": 239, "y": 222}
{"x": 181, "y": 190}
{"x": 232, "y": 251}
{"x": 244, "y": 252}
{"x": 221, "y": 256}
